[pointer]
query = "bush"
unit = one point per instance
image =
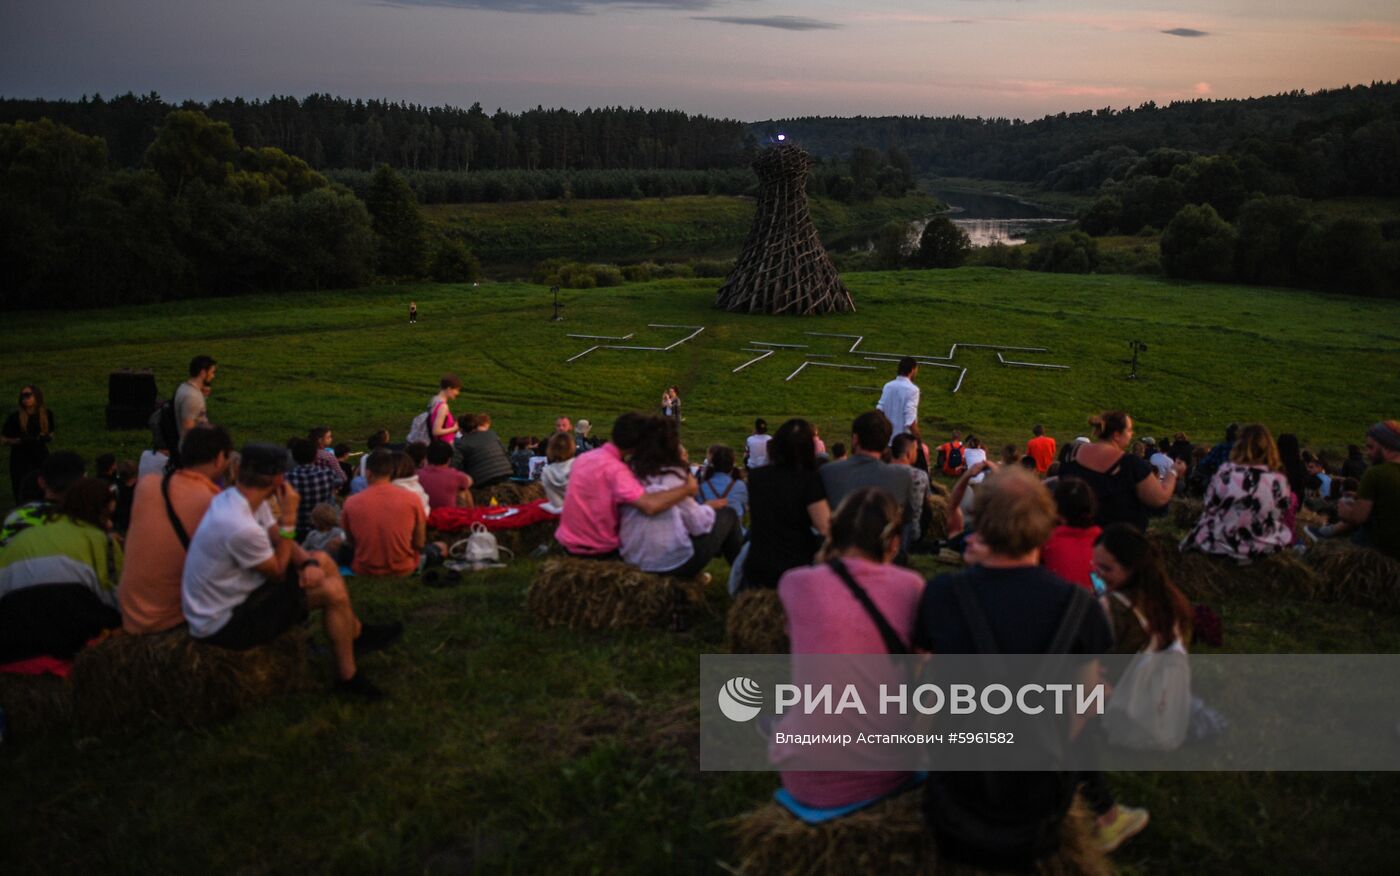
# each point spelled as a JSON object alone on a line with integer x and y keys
{"x": 712, "y": 267}
{"x": 942, "y": 245}
{"x": 606, "y": 275}
{"x": 452, "y": 262}
{"x": 1348, "y": 255}
{"x": 1270, "y": 231}
{"x": 1072, "y": 253}
{"x": 1102, "y": 217}
{"x": 639, "y": 273}
{"x": 1198, "y": 245}
{"x": 999, "y": 255}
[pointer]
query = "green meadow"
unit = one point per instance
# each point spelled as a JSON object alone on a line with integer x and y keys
{"x": 656, "y": 228}
{"x": 507, "y": 748}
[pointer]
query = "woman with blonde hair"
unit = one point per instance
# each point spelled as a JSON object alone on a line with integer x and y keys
{"x": 28, "y": 432}
{"x": 1248, "y": 502}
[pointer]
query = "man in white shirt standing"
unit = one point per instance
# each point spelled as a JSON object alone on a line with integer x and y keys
{"x": 899, "y": 400}
{"x": 190, "y": 408}
{"x": 246, "y": 580}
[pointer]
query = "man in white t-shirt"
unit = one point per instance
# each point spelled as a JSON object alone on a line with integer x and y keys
{"x": 756, "y": 445}
{"x": 246, "y": 581}
{"x": 1158, "y": 458}
{"x": 190, "y": 407}
{"x": 899, "y": 400}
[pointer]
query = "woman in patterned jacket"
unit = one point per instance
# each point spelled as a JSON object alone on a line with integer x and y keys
{"x": 1248, "y": 505}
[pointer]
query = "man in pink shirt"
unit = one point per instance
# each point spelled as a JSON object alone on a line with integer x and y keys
{"x": 601, "y": 483}
{"x": 446, "y": 486}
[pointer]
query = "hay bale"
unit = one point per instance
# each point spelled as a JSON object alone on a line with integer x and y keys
{"x": 1203, "y": 576}
{"x": 889, "y": 837}
{"x": 522, "y": 540}
{"x": 1356, "y": 575}
{"x": 757, "y": 624}
{"x": 36, "y": 705}
{"x": 508, "y": 493}
{"x": 1184, "y": 512}
{"x": 606, "y": 594}
{"x": 132, "y": 682}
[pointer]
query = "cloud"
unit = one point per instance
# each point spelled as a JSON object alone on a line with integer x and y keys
{"x": 1185, "y": 32}
{"x": 568, "y": 7}
{"x": 781, "y": 22}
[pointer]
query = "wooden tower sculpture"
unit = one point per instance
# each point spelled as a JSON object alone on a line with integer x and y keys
{"x": 784, "y": 269}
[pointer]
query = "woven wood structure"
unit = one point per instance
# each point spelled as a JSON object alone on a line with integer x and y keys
{"x": 784, "y": 269}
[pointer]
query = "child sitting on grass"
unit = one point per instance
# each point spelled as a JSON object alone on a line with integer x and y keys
{"x": 326, "y": 534}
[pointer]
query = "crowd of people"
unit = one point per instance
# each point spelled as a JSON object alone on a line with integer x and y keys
{"x": 238, "y": 547}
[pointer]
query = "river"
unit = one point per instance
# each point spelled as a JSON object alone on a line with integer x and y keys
{"x": 986, "y": 218}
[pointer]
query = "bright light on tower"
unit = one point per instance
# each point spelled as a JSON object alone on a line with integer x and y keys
{"x": 782, "y": 137}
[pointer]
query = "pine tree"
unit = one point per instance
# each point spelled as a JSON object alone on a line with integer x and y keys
{"x": 398, "y": 226}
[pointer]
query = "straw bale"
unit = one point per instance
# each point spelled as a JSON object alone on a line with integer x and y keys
{"x": 889, "y": 837}
{"x": 1356, "y": 575}
{"x": 508, "y": 493}
{"x": 1184, "y": 512}
{"x": 35, "y": 705}
{"x": 605, "y": 594}
{"x": 757, "y": 624}
{"x": 130, "y": 682}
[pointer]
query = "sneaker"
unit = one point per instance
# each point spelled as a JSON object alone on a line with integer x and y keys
{"x": 1128, "y": 822}
{"x": 359, "y": 686}
{"x": 374, "y": 637}
{"x": 704, "y": 579}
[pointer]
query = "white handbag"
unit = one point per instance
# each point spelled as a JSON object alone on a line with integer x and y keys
{"x": 1150, "y": 709}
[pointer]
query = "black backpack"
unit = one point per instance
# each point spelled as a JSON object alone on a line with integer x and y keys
{"x": 1005, "y": 820}
{"x": 165, "y": 429}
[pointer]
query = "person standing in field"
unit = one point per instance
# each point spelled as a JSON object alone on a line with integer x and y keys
{"x": 899, "y": 400}
{"x": 190, "y": 407}
{"x": 441, "y": 425}
{"x": 1041, "y": 448}
{"x": 28, "y": 433}
{"x": 413, "y": 313}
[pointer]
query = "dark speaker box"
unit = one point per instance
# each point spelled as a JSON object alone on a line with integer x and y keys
{"x": 131, "y": 389}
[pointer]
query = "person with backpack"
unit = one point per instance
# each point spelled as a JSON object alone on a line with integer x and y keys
{"x": 442, "y": 426}
{"x": 165, "y": 513}
{"x": 1126, "y": 485}
{"x": 1008, "y": 604}
{"x": 190, "y": 406}
{"x": 854, "y": 600}
{"x": 950, "y": 457}
{"x": 721, "y": 481}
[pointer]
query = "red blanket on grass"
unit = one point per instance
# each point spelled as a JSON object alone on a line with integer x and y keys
{"x": 494, "y": 519}
{"x": 38, "y": 666}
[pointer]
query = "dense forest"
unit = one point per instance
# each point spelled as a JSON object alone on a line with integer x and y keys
{"x": 334, "y": 132}
{"x": 135, "y": 199}
{"x": 1338, "y": 141}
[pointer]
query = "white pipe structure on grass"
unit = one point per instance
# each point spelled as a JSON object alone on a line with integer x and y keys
{"x": 1005, "y": 361}
{"x": 602, "y": 337}
{"x": 828, "y": 365}
{"x": 752, "y": 361}
{"x": 698, "y": 330}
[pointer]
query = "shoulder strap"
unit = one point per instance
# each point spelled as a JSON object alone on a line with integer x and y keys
{"x": 892, "y": 641}
{"x": 732, "y": 481}
{"x": 1069, "y": 622}
{"x": 974, "y": 616}
{"x": 170, "y": 510}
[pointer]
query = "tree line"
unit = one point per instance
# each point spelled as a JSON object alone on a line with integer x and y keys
{"x": 336, "y": 132}
{"x": 202, "y": 215}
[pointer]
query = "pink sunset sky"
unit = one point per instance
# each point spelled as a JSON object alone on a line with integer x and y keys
{"x": 746, "y": 59}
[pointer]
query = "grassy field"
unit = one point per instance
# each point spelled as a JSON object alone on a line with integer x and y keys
{"x": 511, "y": 749}
{"x": 646, "y": 228}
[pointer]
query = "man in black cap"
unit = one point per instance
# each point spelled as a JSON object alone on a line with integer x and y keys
{"x": 246, "y": 580}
